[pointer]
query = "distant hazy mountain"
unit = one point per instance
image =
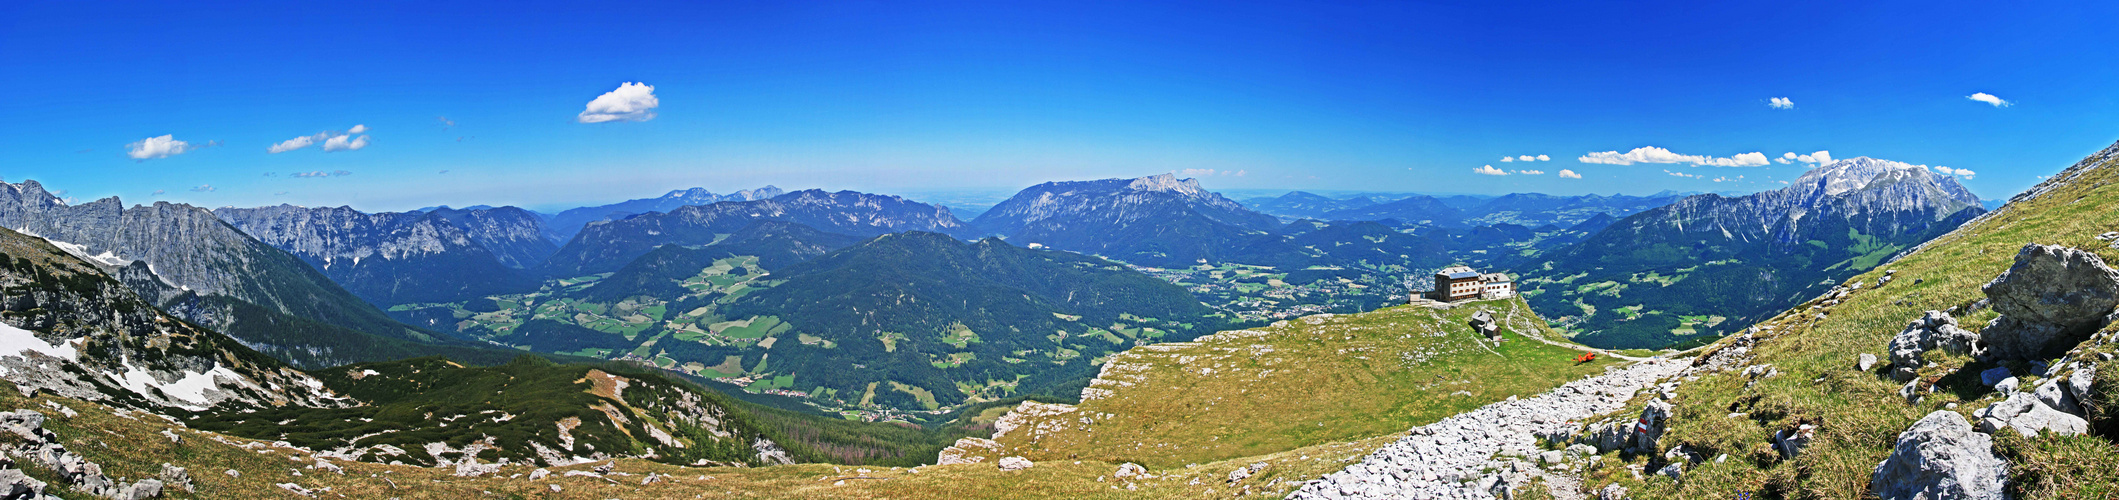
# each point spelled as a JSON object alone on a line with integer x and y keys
{"x": 1421, "y": 210}
{"x": 1710, "y": 264}
{"x": 564, "y": 225}
{"x": 1524, "y": 209}
{"x": 1158, "y": 220}
{"x": 1302, "y": 205}
{"x": 401, "y": 257}
{"x": 607, "y": 245}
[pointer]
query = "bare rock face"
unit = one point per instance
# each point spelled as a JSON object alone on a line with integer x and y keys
{"x": 968, "y": 450}
{"x": 1014, "y": 463}
{"x": 1941, "y": 457}
{"x": 1933, "y": 330}
{"x": 2053, "y": 298}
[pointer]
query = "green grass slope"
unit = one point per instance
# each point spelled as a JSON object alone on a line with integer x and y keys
{"x": 1308, "y": 382}
{"x": 1859, "y": 414}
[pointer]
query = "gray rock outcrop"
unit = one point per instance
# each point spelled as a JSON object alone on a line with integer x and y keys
{"x": 2022, "y": 411}
{"x": 43, "y": 448}
{"x": 1933, "y": 330}
{"x": 1941, "y": 457}
{"x": 2053, "y": 298}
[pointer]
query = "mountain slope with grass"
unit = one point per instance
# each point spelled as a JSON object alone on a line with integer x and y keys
{"x": 1799, "y": 373}
{"x": 1709, "y": 265}
{"x": 906, "y": 322}
{"x": 190, "y": 249}
{"x": 1315, "y": 381}
{"x": 68, "y": 328}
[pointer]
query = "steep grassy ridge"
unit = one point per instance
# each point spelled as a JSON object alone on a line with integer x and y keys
{"x": 1859, "y": 414}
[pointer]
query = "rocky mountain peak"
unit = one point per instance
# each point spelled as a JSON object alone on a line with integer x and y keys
{"x": 1167, "y": 182}
{"x": 1856, "y": 173}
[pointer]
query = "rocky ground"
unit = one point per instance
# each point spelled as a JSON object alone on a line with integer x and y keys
{"x": 1491, "y": 450}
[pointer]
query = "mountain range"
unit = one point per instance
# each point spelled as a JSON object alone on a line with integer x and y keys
{"x": 1710, "y": 264}
{"x": 400, "y": 257}
{"x": 607, "y": 245}
{"x": 563, "y": 225}
{"x": 1460, "y": 211}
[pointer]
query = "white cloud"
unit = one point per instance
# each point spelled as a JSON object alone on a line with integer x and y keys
{"x": 332, "y": 141}
{"x": 1988, "y": 98}
{"x": 157, "y": 192}
{"x": 1508, "y": 159}
{"x": 1527, "y": 158}
{"x": 1569, "y": 174}
{"x": 1652, "y": 154}
{"x": 1531, "y": 172}
{"x": 157, "y": 147}
{"x": 320, "y": 173}
{"x": 1489, "y": 170}
{"x": 1512, "y": 159}
{"x": 1544, "y": 158}
{"x": 1820, "y": 157}
{"x": 1681, "y": 174}
{"x": 1781, "y": 103}
{"x": 293, "y": 144}
{"x": 203, "y": 188}
{"x": 633, "y": 102}
{"x": 346, "y": 143}
{"x": 1965, "y": 173}
{"x": 1783, "y": 161}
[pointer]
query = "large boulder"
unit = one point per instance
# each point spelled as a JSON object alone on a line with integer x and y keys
{"x": 1941, "y": 457}
{"x": 2053, "y": 298}
{"x": 1932, "y": 330}
{"x": 2025, "y": 413}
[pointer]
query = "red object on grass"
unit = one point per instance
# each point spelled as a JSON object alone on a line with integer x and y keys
{"x": 1586, "y": 357}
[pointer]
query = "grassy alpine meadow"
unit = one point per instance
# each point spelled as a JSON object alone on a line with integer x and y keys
{"x": 1860, "y": 414}
{"x": 133, "y": 445}
{"x": 1305, "y": 382}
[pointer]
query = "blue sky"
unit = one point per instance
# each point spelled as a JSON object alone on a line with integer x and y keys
{"x": 902, "y": 97}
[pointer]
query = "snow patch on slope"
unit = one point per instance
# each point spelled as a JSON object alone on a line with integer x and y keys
{"x": 188, "y": 391}
{"x": 17, "y": 342}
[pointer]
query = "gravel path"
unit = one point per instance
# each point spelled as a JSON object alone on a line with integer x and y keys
{"x": 1457, "y": 457}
